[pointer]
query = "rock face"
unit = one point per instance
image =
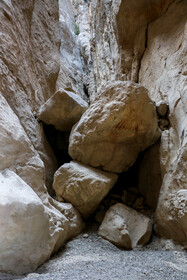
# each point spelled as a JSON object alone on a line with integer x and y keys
{"x": 72, "y": 66}
{"x": 83, "y": 186}
{"x": 165, "y": 57}
{"x": 119, "y": 36}
{"x": 29, "y": 68}
{"x": 119, "y": 124}
{"x": 125, "y": 227}
{"x": 62, "y": 110}
{"x": 24, "y": 235}
{"x": 141, "y": 41}
{"x": 150, "y": 48}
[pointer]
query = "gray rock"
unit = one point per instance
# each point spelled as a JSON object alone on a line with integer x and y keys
{"x": 83, "y": 186}
{"x": 120, "y": 123}
{"x": 62, "y": 110}
{"x": 125, "y": 227}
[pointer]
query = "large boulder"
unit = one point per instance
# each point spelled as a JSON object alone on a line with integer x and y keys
{"x": 62, "y": 110}
{"x": 83, "y": 186}
{"x": 125, "y": 227}
{"x": 119, "y": 124}
{"x": 24, "y": 226}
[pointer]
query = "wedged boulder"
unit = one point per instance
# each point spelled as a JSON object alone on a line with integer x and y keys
{"x": 24, "y": 226}
{"x": 83, "y": 186}
{"x": 62, "y": 110}
{"x": 125, "y": 227}
{"x": 119, "y": 124}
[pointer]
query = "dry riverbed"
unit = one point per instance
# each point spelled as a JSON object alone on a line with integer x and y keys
{"x": 88, "y": 256}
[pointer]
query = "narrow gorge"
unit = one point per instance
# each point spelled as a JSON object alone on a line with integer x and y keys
{"x": 93, "y": 135}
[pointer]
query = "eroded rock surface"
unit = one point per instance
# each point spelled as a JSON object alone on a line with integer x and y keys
{"x": 166, "y": 79}
{"x": 24, "y": 230}
{"x": 29, "y": 67}
{"x": 62, "y": 110}
{"x": 125, "y": 227}
{"x": 119, "y": 124}
{"x": 83, "y": 186}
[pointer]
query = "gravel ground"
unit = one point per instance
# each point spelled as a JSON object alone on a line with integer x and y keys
{"x": 94, "y": 258}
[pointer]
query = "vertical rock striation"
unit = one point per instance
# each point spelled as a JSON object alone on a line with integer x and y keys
{"x": 145, "y": 42}
{"x": 29, "y": 68}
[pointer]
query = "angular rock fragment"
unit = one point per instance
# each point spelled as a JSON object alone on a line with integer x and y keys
{"x": 62, "y": 110}
{"x": 119, "y": 124}
{"x": 125, "y": 227}
{"x": 24, "y": 226}
{"x": 83, "y": 186}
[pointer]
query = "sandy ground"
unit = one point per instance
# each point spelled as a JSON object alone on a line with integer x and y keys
{"x": 94, "y": 258}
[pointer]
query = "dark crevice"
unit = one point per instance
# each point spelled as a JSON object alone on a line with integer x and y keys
{"x": 145, "y": 47}
{"x": 59, "y": 142}
{"x": 85, "y": 88}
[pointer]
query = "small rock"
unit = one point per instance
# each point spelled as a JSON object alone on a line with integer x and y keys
{"x": 138, "y": 204}
{"x": 128, "y": 198}
{"x": 163, "y": 124}
{"x": 162, "y": 108}
{"x": 125, "y": 227}
{"x": 85, "y": 235}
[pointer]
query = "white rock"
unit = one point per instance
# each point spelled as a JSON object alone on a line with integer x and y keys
{"x": 62, "y": 110}
{"x": 24, "y": 226}
{"x": 119, "y": 124}
{"x": 29, "y": 68}
{"x": 125, "y": 227}
{"x": 163, "y": 73}
{"x": 83, "y": 186}
{"x": 75, "y": 222}
{"x": 72, "y": 66}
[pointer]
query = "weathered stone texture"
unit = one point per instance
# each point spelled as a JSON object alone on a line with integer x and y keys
{"x": 83, "y": 186}
{"x": 150, "y": 47}
{"x": 29, "y": 68}
{"x": 62, "y": 110}
{"x": 120, "y": 123}
{"x": 125, "y": 227}
{"x": 163, "y": 72}
{"x": 24, "y": 230}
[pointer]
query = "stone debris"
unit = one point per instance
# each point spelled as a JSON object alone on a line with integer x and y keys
{"x": 125, "y": 227}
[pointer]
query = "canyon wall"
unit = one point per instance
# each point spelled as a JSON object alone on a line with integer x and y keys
{"x": 29, "y": 68}
{"x": 145, "y": 41}
{"x": 72, "y": 49}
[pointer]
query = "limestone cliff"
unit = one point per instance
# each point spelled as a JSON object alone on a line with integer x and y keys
{"x": 56, "y": 57}
{"x": 29, "y": 68}
{"x": 145, "y": 41}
